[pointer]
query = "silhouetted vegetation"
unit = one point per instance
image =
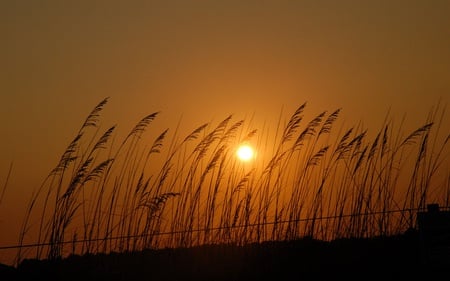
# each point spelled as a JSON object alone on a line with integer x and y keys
{"x": 314, "y": 182}
{"x": 395, "y": 257}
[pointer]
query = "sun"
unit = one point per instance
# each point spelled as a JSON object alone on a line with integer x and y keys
{"x": 245, "y": 152}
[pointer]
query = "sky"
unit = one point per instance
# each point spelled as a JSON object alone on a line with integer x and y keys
{"x": 199, "y": 61}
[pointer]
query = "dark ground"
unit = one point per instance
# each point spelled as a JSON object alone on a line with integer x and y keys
{"x": 390, "y": 258}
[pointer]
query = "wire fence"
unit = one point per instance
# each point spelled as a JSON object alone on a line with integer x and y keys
{"x": 112, "y": 238}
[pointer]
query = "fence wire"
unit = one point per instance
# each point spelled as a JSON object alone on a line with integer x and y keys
{"x": 77, "y": 241}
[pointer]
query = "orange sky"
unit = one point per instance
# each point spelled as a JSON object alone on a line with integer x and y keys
{"x": 201, "y": 61}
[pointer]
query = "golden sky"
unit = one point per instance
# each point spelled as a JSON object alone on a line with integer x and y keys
{"x": 202, "y": 60}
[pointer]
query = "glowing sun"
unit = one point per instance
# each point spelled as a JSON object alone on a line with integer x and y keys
{"x": 245, "y": 152}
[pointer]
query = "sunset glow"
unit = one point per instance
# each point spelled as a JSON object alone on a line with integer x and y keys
{"x": 136, "y": 125}
{"x": 245, "y": 152}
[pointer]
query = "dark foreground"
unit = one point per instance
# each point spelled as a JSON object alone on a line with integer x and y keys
{"x": 390, "y": 258}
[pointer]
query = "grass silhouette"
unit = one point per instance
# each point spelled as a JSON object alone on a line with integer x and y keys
{"x": 315, "y": 183}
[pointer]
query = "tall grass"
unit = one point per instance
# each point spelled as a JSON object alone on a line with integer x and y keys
{"x": 313, "y": 181}
{"x": 5, "y": 185}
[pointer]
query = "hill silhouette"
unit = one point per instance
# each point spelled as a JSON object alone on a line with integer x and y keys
{"x": 401, "y": 257}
